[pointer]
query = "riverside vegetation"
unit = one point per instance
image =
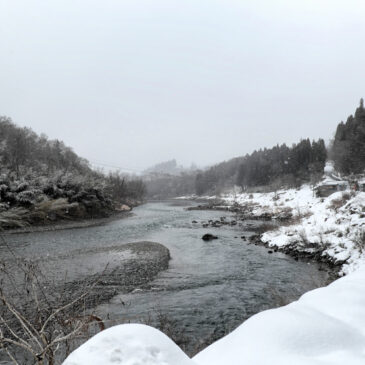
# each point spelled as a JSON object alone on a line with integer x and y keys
{"x": 43, "y": 181}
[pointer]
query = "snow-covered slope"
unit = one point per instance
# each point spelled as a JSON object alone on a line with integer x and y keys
{"x": 333, "y": 225}
{"x": 325, "y": 327}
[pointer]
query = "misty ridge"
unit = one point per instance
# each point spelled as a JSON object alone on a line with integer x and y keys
{"x": 41, "y": 176}
{"x": 270, "y": 169}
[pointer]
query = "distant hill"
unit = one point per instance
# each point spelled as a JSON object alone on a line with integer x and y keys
{"x": 168, "y": 167}
{"x": 168, "y": 179}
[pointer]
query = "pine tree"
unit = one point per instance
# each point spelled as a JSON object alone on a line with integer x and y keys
{"x": 348, "y": 151}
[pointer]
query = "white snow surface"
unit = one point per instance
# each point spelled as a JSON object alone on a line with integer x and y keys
{"x": 322, "y": 222}
{"x": 325, "y": 326}
{"x": 129, "y": 344}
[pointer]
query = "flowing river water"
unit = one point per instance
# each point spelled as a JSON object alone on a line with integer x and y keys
{"x": 209, "y": 287}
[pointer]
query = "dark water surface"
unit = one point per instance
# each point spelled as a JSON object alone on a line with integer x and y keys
{"x": 209, "y": 288}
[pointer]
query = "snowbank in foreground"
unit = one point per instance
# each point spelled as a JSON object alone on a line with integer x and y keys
{"x": 129, "y": 344}
{"x": 325, "y": 327}
{"x": 332, "y": 225}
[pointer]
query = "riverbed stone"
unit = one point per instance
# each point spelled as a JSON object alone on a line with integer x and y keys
{"x": 209, "y": 237}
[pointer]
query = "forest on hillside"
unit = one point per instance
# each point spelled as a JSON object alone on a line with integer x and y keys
{"x": 43, "y": 180}
{"x": 280, "y": 166}
{"x": 276, "y": 167}
{"x": 348, "y": 148}
{"x": 272, "y": 168}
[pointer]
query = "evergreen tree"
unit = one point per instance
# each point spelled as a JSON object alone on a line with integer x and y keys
{"x": 348, "y": 150}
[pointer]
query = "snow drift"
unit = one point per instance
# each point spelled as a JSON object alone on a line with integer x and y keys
{"x": 129, "y": 344}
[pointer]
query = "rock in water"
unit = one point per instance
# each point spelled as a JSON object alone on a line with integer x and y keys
{"x": 209, "y": 237}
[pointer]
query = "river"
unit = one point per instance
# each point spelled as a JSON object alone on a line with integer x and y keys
{"x": 209, "y": 287}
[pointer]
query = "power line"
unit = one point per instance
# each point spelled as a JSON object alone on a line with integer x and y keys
{"x": 114, "y": 166}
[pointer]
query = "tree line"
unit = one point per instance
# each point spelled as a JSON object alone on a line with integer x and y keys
{"x": 279, "y": 166}
{"x": 283, "y": 166}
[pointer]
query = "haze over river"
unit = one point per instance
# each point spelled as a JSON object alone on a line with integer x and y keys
{"x": 209, "y": 287}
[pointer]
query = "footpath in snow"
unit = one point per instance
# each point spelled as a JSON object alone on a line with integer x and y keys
{"x": 325, "y": 326}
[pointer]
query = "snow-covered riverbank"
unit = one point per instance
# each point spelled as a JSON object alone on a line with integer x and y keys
{"x": 333, "y": 226}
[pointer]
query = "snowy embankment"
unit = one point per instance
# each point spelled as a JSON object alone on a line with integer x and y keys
{"x": 325, "y": 326}
{"x": 333, "y": 226}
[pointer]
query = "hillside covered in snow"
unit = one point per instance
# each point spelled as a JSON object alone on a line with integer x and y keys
{"x": 333, "y": 227}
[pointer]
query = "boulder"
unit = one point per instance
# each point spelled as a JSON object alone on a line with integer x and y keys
{"x": 209, "y": 237}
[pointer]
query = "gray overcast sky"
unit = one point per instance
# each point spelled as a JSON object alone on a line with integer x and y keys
{"x": 135, "y": 82}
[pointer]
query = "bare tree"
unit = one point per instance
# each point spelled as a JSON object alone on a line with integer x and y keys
{"x": 37, "y": 321}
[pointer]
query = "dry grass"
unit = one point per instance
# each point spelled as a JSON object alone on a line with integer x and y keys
{"x": 359, "y": 240}
{"x": 336, "y": 204}
{"x": 266, "y": 227}
{"x": 14, "y": 218}
{"x": 42, "y": 212}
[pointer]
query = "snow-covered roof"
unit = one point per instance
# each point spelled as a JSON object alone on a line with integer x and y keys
{"x": 331, "y": 182}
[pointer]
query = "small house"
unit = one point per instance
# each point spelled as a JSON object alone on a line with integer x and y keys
{"x": 329, "y": 186}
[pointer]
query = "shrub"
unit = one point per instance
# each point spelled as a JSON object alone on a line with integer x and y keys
{"x": 13, "y": 218}
{"x": 265, "y": 227}
{"x": 39, "y": 324}
{"x": 359, "y": 240}
{"x": 336, "y": 204}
